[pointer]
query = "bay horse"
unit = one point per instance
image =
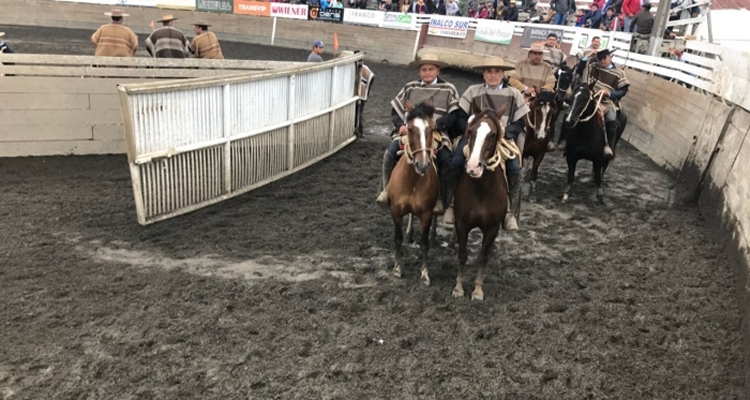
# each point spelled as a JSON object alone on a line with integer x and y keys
{"x": 539, "y": 131}
{"x": 586, "y": 136}
{"x": 413, "y": 187}
{"x": 481, "y": 196}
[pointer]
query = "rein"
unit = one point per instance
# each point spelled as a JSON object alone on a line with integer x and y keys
{"x": 505, "y": 150}
{"x": 598, "y": 95}
{"x": 409, "y": 153}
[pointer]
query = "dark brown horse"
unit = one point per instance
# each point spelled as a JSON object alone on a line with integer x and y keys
{"x": 539, "y": 131}
{"x": 481, "y": 198}
{"x": 413, "y": 188}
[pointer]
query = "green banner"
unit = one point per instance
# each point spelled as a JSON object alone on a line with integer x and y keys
{"x": 220, "y": 6}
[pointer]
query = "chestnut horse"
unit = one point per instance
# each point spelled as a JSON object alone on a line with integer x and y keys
{"x": 481, "y": 197}
{"x": 539, "y": 131}
{"x": 413, "y": 188}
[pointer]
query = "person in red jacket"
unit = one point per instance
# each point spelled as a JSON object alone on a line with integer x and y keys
{"x": 629, "y": 9}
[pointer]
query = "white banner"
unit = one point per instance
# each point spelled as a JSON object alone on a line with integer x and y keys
{"x": 363, "y": 17}
{"x": 396, "y": 20}
{"x": 582, "y": 40}
{"x": 453, "y": 27}
{"x": 176, "y": 4}
{"x": 493, "y": 31}
{"x": 284, "y": 10}
{"x": 108, "y": 2}
{"x": 136, "y": 3}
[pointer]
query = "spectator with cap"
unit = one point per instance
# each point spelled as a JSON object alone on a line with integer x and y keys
{"x": 511, "y": 13}
{"x": 115, "y": 39}
{"x": 317, "y": 50}
{"x": 167, "y": 41}
{"x": 205, "y": 44}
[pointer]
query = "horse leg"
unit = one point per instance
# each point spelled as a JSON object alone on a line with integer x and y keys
{"x": 425, "y": 222}
{"x": 409, "y": 238}
{"x": 463, "y": 238}
{"x": 598, "y": 181}
{"x": 433, "y": 232}
{"x": 534, "y": 171}
{"x": 453, "y": 239}
{"x": 571, "y": 177}
{"x": 398, "y": 238}
{"x": 488, "y": 239}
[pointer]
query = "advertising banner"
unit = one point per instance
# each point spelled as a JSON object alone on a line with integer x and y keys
{"x": 329, "y": 14}
{"x": 284, "y": 10}
{"x": 453, "y": 27}
{"x": 582, "y": 40}
{"x": 396, "y": 20}
{"x": 492, "y": 31}
{"x": 176, "y": 4}
{"x": 136, "y": 3}
{"x": 531, "y": 35}
{"x": 218, "y": 6}
{"x": 363, "y": 17}
{"x": 246, "y": 7}
{"x": 108, "y": 2}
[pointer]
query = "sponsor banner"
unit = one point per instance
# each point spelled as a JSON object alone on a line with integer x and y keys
{"x": 492, "y": 31}
{"x": 363, "y": 17}
{"x": 329, "y": 14}
{"x": 284, "y": 10}
{"x": 534, "y": 34}
{"x": 395, "y": 20}
{"x": 453, "y": 27}
{"x": 176, "y": 4}
{"x": 108, "y": 2}
{"x": 218, "y": 6}
{"x": 582, "y": 40}
{"x": 136, "y": 3}
{"x": 246, "y": 7}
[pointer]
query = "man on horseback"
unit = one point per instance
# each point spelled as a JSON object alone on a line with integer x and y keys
{"x": 553, "y": 56}
{"x": 613, "y": 85}
{"x": 445, "y": 98}
{"x": 533, "y": 73}
{"x": 493, "y": 94}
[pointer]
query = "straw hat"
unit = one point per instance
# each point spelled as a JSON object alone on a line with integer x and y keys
{"x": 116, "y": 13}
{"x": 167, "y": 18}
{"x": 494, "y": 62}
{"x": 428, "y": 59}
{"x": 538, "y": 47}
{"x": 202, "y": 23}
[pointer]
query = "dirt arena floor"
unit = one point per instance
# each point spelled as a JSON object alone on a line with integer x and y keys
{"x": 285, "y": 292}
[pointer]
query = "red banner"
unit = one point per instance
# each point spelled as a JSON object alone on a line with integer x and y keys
{"x": 252, "y": 8}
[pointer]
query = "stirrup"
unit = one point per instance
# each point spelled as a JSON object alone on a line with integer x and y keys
{"x": 510, "y": 223}
{"x": 448, "y": 216}
{"x": 551, "y": 146}
{"x": 382, "y": 199}
{"x": 439, "y": 208}
{"x": 608, "y": 152}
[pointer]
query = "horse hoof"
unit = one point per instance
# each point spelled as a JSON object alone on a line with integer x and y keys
{"x": 425, "y": 277}
{"x": 532, "y": 199}
{"x": 397, "y": 271}
{"x": 458, "y": 292}
{"x": 565, "y": 198}
{"x": 478, "y": 294}
{"x": 600, "y": 199}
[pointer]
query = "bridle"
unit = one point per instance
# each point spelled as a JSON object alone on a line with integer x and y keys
{"x": 505, "y": 150}
{"x": 431, "y": 148}
{"x": 596, "y": 95}
{"x": 531, "y": 123}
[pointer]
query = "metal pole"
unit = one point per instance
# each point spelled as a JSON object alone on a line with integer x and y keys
{"x": 273, "y": 32}
{"x": 708, "y": 22}
{"x": 660, "y": 24}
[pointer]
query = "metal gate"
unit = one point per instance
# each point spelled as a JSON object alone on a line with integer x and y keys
{"x": 196, "y": 142}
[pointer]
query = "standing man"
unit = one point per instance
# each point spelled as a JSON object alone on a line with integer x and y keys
{"x": 205, "y": 44}
{"x": 115, "y": 39}
{"x": 493, "y": 94}
{"x": 317, "y": 50}
{"x": 167, "y": 41}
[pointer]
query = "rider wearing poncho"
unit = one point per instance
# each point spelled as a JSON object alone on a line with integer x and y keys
{"x": 445, "y": 98}
{"x": 614, "y": 84}
{"x": 493, "y": 94}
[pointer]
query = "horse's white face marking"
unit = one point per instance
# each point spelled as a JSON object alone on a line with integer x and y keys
{"x": 473, "y": 165}
{"x": 575, "y": 101}
{"x": 542, "y": 130}
{"x": 422, "y": 127}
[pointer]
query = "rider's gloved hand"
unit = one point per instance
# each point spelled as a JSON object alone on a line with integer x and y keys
{"x": 512, "y": 131}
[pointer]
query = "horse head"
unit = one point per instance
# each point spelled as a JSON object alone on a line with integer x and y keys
{"x": 482, "y": 137}
{"x": 564, "y": 78}
{"x": 581, "y": 103}
{"x": 543, "y": 108}
{"x": 420, "y": 124}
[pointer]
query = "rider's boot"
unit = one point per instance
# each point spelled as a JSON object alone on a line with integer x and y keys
{"x": 514, "y": 183}
{"x": 439, "y": 208}
{"x": 611, "y": 133}
{"x": 451, "y": 179}
{"x": 388, "y": 163}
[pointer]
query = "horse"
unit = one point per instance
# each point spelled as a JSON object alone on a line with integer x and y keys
{"x": 539, "y": 131}
{"x": 586, "y": 135}
{"x": 481, "y": 197}
{"x": 413, "y": 188}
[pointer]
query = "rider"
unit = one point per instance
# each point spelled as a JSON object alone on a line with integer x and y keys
{"x": 445, "y": 98}
{"x": 614, "y": 84}
{"x": 531, "y": 73}
{"x": 492, "y": 95}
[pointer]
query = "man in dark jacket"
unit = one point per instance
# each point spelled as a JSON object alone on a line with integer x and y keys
{"x": 593, "y": 18}
{"x": 511, "y": 13}
{"x": 643, "y": 21}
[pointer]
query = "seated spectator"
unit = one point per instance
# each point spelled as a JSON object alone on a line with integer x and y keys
{"x": 490, "y": 9}
{"x": 610, "y": 22}
{"x": 405, "y": 6}
{"x": 593, "y": 18}
{"x": 336, "y": 4}
{"x": 511, "y": 13}
{"x": 580, "y": 15}
{"x": 451, "y": 8}
{"x": 388, "y": 6}
{"x": 420, "y": 7}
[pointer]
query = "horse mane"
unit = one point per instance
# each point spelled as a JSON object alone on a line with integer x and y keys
{"x": 422, "y": 110}
{"x": 546, "y": 96}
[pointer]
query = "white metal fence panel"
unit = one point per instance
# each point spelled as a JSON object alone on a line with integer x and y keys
{"x": 196, "y": 142}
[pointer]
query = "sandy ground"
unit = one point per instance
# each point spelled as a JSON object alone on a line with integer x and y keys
{"x": 285, "y": 292}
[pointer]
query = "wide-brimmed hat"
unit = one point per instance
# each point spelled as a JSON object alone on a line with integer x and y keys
{"x": 538, "y": 47}
{"x": 202, "y": 23}
{"x": 116, "y": 13}
{"x": 603, "y": 53}
{"x": 428, "y": 59}
{"x": 2, "y": 34}
{"x": 167, "y": 18}
{"x": 494, "y": 62}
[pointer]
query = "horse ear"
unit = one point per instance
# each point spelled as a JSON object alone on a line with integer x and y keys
{"x": 501, "y": 111}
{"x": 409, "y": 106}
{"x": 475, "y": 109}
